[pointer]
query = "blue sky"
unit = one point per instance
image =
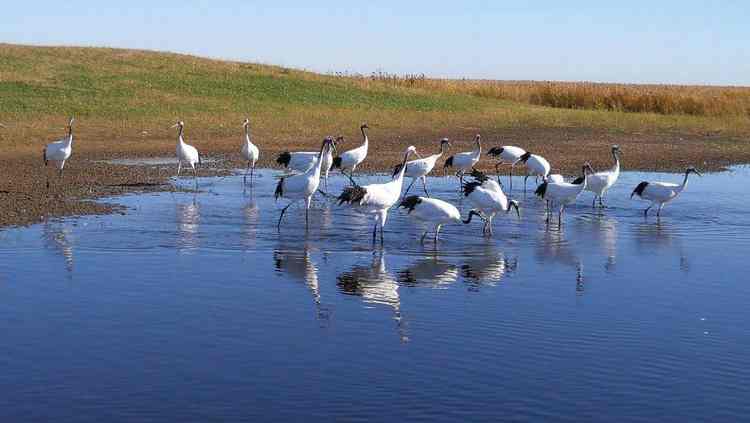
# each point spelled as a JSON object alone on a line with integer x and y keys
{"x": 636, "y": 41}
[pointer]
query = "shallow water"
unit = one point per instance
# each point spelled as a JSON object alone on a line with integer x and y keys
{"x": 193, "y": 308}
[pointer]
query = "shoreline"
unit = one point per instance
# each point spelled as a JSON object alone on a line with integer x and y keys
{"x": 91, "y": 176}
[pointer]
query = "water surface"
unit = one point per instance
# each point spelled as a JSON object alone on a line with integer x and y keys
{"x": 192, "y": 307}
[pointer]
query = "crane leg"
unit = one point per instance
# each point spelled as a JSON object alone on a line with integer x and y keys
{"x": 244, "y": 179}
{"x": 179, "y": 167}
{"x": 424, "y": 185}
{"x": 601, "y": 203}
{"x": 510, "y": 179}
{"x": 645, "y": 212}
{"x": 461, "y": 181}
{"x": 374, "y": 232}
{"x": 437, "y": 233}
{"x": 524, "y": 183}
{"x": 559, "y": 217}
{"x": 381, "y": 235}
{"x": 593, "y": 202}
{"x": 421, "y": 240}
{"x": 350, "y": 178}
{"x": 409, "y": 187}
{"x": 281, "y": 216}
{"x": 252, "y": 174}
{"x": 658, "y": 211}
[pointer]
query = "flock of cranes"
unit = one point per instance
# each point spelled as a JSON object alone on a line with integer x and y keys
{"x": 305, "y": 169}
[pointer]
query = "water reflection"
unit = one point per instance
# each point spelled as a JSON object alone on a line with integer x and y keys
{"x": 488, "y": 267}
{"x": 650, "y": 236}
{"x": 251, "y": 217}
{"x": 188, "y": 223}
{"x": 376, "y": 285}
{"x": 298, "y": 264}
{"x": 603, "y": 230}
{"x": 552, "y": 247}
{"x": 429, "y": 271}
{"x": 58, "y": 236}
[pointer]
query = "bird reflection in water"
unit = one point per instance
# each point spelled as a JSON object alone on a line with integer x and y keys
{"x": 429, "y": 271}
{"x": 298, "y": 265}
{"x": 487, "y": 268}
{"x": 188, "y": 223}
{"x": 661, "y": 236}
{"x": 553, "y": 248}
{"x": 376, "y": 286}
{"x": 59, "y": 237}
{"x": 251, "y": 217}
{"x": 602, "y": 230}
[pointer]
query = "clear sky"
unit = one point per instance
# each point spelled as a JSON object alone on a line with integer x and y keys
{"x": 662, "y": 41}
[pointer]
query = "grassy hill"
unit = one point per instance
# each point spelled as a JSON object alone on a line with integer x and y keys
{"x": 125, "y": 99}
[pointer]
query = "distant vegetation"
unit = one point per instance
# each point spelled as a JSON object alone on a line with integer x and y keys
{"x": 662, "y": 99}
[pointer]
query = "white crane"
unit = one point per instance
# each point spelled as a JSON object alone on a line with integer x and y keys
{"x": 434, "y": 211}
{"x": 463, "y": 162}
{"x": 506, "y": 154}
{"x": 301, "y": 161}
{"x": 420, "y": 168}
{"x": 661, "y": 193}
{"x": 59, "y": 151}
{"x": 301, "y": 186}
{"x": 561, "y": 194}
{"x": 349, "y": 160}
{"x": 186, "y": 152}
{"x": 487, "y": 196}
{"x": 600, "y": 182}
{"x": 376, "y": 199}
{"x": 535, "y": 165}
{"x": 249, "y": 152}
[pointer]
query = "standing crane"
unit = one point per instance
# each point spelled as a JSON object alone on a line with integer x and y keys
{"x": 250, "y": 152}
{"x": 301, "y": 186}
{"x": 349, "y": 160}
{"x": 59, "y": 151}
{"x": 464, "y": 162}
{"x": 377, "y": 199}
{"x": 186, "y": 152}
{"x": 661, "y": 193}
{"x": 420, "y": 168}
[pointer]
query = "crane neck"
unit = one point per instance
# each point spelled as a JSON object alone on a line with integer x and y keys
{"x": 247, "y": 133}
{"x": 478, "y": 149}
{"x": 401, "y": 172}
{"x": 684, "y": 181}
{"x": 616, "y": 167}
{"x": 179, "y": 136}
{"x": 364, "y": 137}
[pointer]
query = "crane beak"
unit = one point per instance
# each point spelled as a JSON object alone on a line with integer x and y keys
{"x": 174, "y": 126}
{"x": 698, "y": 173}
{"x": 2, "y": 126}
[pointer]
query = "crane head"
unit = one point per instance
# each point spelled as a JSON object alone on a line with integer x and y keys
{"x": 246, "y": 122}
{"x": 179, "y": 124}
{"x": 691, "y": 169}
{"x": 445, "y": 142}
{"x": 364, "y": 126}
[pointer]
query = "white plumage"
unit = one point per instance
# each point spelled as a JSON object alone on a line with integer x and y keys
{"x": 59, "y": 151}
{"x": 420, "y": 168}
{"x": 488, "y": 197}
{"x": 301, "y": 186}
{"x": 376, "y": 199}
{"x": 250, "y": 152}
{"x": 561, "y": 194}
{"x": 186, "y": 152}
{"x": 661, "y": 193}
{"x": 555, "y": 178}
{"x": 302, "y": 161}
{"x": 536, "y": 165}
{"x": 432, "y": 210}
{"x": 463, "y": 162}
{"x": 507, "y": 154}
{"x": 349, "y": 160}
{"x": 600, "y": 182}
